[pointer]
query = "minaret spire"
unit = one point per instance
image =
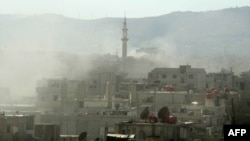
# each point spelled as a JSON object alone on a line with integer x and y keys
{"x": 124, "y": 38}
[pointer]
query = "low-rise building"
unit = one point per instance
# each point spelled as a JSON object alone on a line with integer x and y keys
{"x": 156, "y": 131}
{"x": 182, "y": 78}
{"x": 244, "y": 81}
{"x": 59, "y": 95}
{"x": 16, "y": 127}
{"x": 46, "y": 132}
{"x": 220, "y": 80}
{"x": 97, "y": 126}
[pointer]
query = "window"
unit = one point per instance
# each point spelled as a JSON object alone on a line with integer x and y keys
{"x": 225, "y": 77}
{"x": 81, "y": 104}
{"x": 174, "y": 76}
{"x": 183, "y": 69}
{"x": 149, "y": 99}
{"x": 182, "y": 80}
{"x": 92, "y": 86}
{"x": 29, "y": 122}
{"x": 191, "y": 76}
{"x": 8, "y": 129}
{"x": 207, "y": 85}
{"x": 164, "y": 76}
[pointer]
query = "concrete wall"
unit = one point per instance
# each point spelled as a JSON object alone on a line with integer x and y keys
{"x": 182, "y": 78}
{"x": 144, "y": 131}
{"x": 75, "y": 124}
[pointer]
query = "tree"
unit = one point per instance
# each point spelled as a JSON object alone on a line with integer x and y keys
{"x": 82, "y": 136}
{"x": 145, "y": 113}
{"x": 163, "y": 113}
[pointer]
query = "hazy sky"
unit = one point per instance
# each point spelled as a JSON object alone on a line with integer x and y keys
{"x": 93, "y": 9}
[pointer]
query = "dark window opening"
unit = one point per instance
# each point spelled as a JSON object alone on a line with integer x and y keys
{"x": 164, "y": 76}
{"x": 182, "y": 80}
{"x": 8, "y": 129}
{"x": 248, "y": 104}
{"x": 174, "y": 76}
{"x": 81, "y": 104}
{"x": 224, "y": 77}
{"x": 191, "y": 76}
{"x": 242, "y": 86}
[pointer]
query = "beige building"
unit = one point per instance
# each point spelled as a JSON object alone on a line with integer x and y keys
{"x": 59, "y": 95}
{"x": 182, "y": 78}
{"x": 155, "y": 131}
{"x": 174, "y": 100}
{"x": 243, "y": 82}
{"x": 96, "y": 126}
{"x": 16, "y": 127}
{"x": 46, "y": 132}
{"x": 221, "y": 80}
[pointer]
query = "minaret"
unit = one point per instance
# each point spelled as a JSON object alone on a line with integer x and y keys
{"x": 124, "y": 39}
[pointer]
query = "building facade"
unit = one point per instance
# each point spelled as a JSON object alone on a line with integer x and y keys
{"x": 16, "y": 127}
{"x": 155, "y": 131}
{"x": 182, "y": 78}
{"x": 221, "y": 80}
{"x": 59, "y": 95}
{"x": 46, "y": 132}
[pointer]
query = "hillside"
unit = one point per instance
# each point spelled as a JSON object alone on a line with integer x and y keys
{"x": 46, "y": 45}
{"x": 222, "y": 31}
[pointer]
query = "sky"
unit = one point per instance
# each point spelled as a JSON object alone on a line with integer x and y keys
{"x": 94, "y": 9}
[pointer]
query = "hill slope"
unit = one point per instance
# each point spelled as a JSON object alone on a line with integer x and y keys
{"x": 38, "y": 46}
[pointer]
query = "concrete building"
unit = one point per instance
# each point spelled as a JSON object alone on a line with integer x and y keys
{"x": 97, "y": 81}
{"x": 59, "y": 95}
{"x": 244, "y": 81}
{"x": 16, "y": 127}
{"x": 46, "y": 132}
{"x": 97, "y": 126}
{"x": 155, "y": 131}
{"x": 221, "y": 80}
{"x": 155, "y": 100}
{"x": 69, "y": 138}
{"x": 97, "y": 116}
{"x": 182, "y": 78}
{"x": 239, "y": 108}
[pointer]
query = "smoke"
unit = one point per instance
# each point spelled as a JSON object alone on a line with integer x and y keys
{"x": 166, "y": 52}
{"x": 48, "y": 46}
{"x": 20, "y": 69}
